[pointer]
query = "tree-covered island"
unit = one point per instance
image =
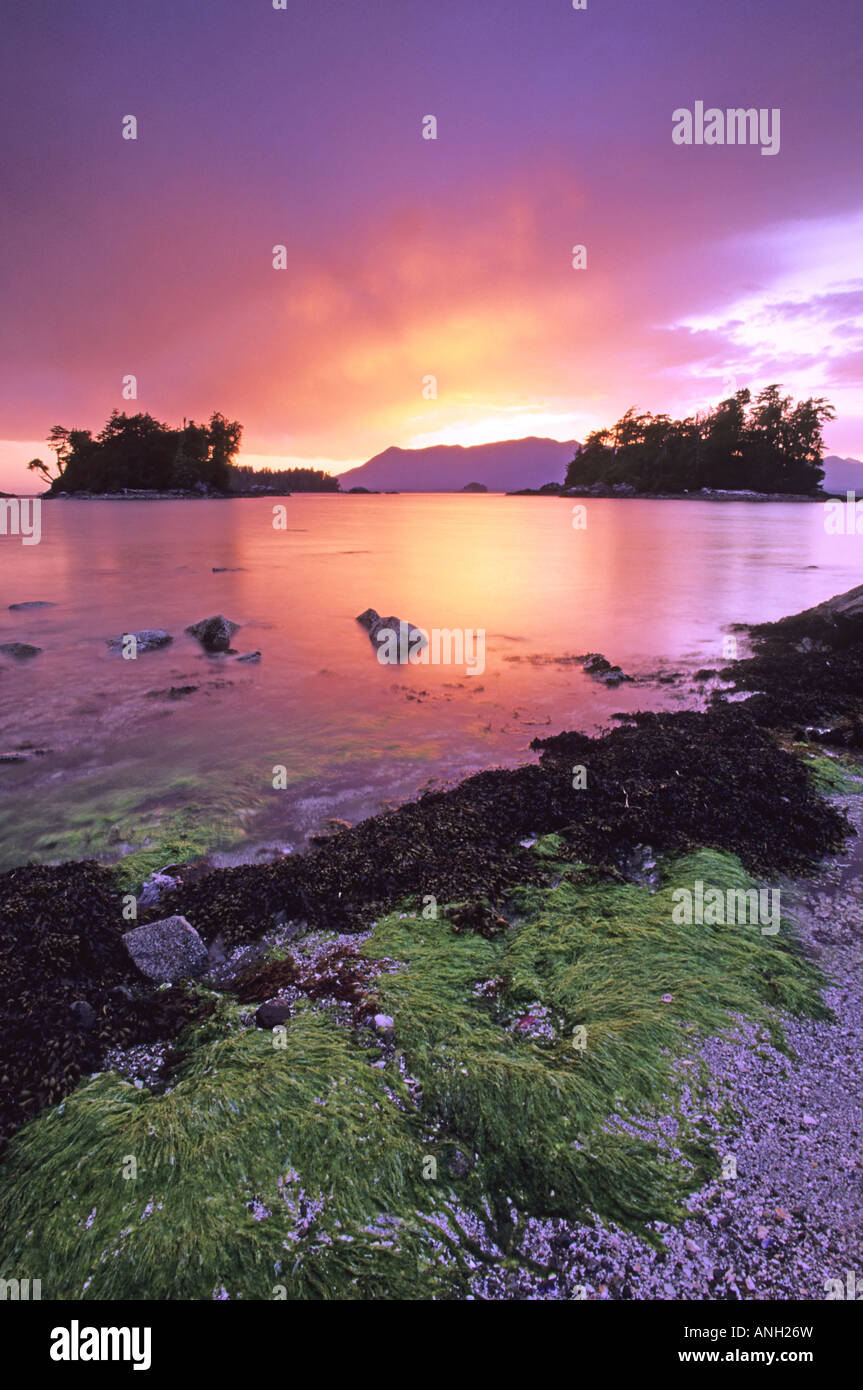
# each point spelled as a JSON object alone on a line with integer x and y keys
{"x": 139, "y": 453}
{"x": 766, "y": 444}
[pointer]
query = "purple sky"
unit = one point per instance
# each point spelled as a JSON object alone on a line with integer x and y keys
{"x": 708, "y": 266}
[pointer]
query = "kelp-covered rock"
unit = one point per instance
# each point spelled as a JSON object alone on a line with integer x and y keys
{"x": 601, "y": 669}
{"x": 61, "y": 945}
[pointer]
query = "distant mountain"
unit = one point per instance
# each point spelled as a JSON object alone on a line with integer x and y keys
{"x": 503, "y": 467}
{"x": 843, "y": 475}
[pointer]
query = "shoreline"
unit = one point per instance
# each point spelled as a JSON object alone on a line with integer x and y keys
{"x": 660, "y": 787}
{"x": 587, "y": 494}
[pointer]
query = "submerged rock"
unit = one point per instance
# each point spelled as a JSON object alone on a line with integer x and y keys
{"x": 147, "y": 640}
{"x": 248, "y": 658}
{"x": 30, "y": 603}
{"x": 20, "y": 650}
{"x": 214, "y": 634}
{"x": 168, "y": 950}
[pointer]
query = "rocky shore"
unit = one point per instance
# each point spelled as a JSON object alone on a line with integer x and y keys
{"x": 485, "y": 992}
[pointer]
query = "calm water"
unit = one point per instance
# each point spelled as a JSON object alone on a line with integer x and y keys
{"x": 653, "y": 585}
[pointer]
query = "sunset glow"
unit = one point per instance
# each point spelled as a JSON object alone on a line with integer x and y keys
{"x": 409, "y": 257}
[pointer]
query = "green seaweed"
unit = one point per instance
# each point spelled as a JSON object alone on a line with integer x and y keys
{"x": 289, "y": 1164}
{"x": 839, "y": 775}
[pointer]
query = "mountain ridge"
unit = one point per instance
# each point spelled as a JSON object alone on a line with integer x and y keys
{"x": 502, "y": 466}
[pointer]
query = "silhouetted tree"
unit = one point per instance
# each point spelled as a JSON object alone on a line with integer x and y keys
{"x": 769, "y": 446}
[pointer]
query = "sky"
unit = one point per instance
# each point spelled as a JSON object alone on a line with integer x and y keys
{"x": 709, "y": 267}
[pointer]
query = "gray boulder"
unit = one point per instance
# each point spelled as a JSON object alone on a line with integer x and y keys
{"x": 167, "y": 950}
{"x": 147, "y": 640}
{"x": 214, "y": 634}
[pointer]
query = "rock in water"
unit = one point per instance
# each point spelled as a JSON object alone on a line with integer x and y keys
{"x": 30, "y": 603}
{"x": 214, "y": 634}
{"x": 148, "y": 639}
{"x": 167, "y": 950}
{"x": 598, "y": 666}
{"x": 405, "y": 635}
{"x": 20, "y": 650}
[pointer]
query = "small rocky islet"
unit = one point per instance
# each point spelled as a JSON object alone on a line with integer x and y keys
{"x": 459, "y": 1049}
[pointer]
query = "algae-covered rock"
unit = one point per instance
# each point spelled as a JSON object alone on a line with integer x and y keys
{"x": 168, "y": 950}
{"x": 601, "y": 669}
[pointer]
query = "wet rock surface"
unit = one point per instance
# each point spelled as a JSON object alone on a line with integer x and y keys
{"x": 390, "y": 630}
{"x": 147, "y": 640}
{"x": 214, "y": 634}
{"x": 168, "y": 950}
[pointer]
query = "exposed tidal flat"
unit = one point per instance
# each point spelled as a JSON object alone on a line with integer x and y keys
{"x": 502, "y": 1066}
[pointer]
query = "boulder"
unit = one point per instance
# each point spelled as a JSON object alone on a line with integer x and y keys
{"x": 147, "y": 640}
{"x": 20, "y": 650}
{"x": 167, "y": 950}
{"x": 404, "y": 633}
{"x": 214, "y": 634}
{"x": 274, "y": 1012}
